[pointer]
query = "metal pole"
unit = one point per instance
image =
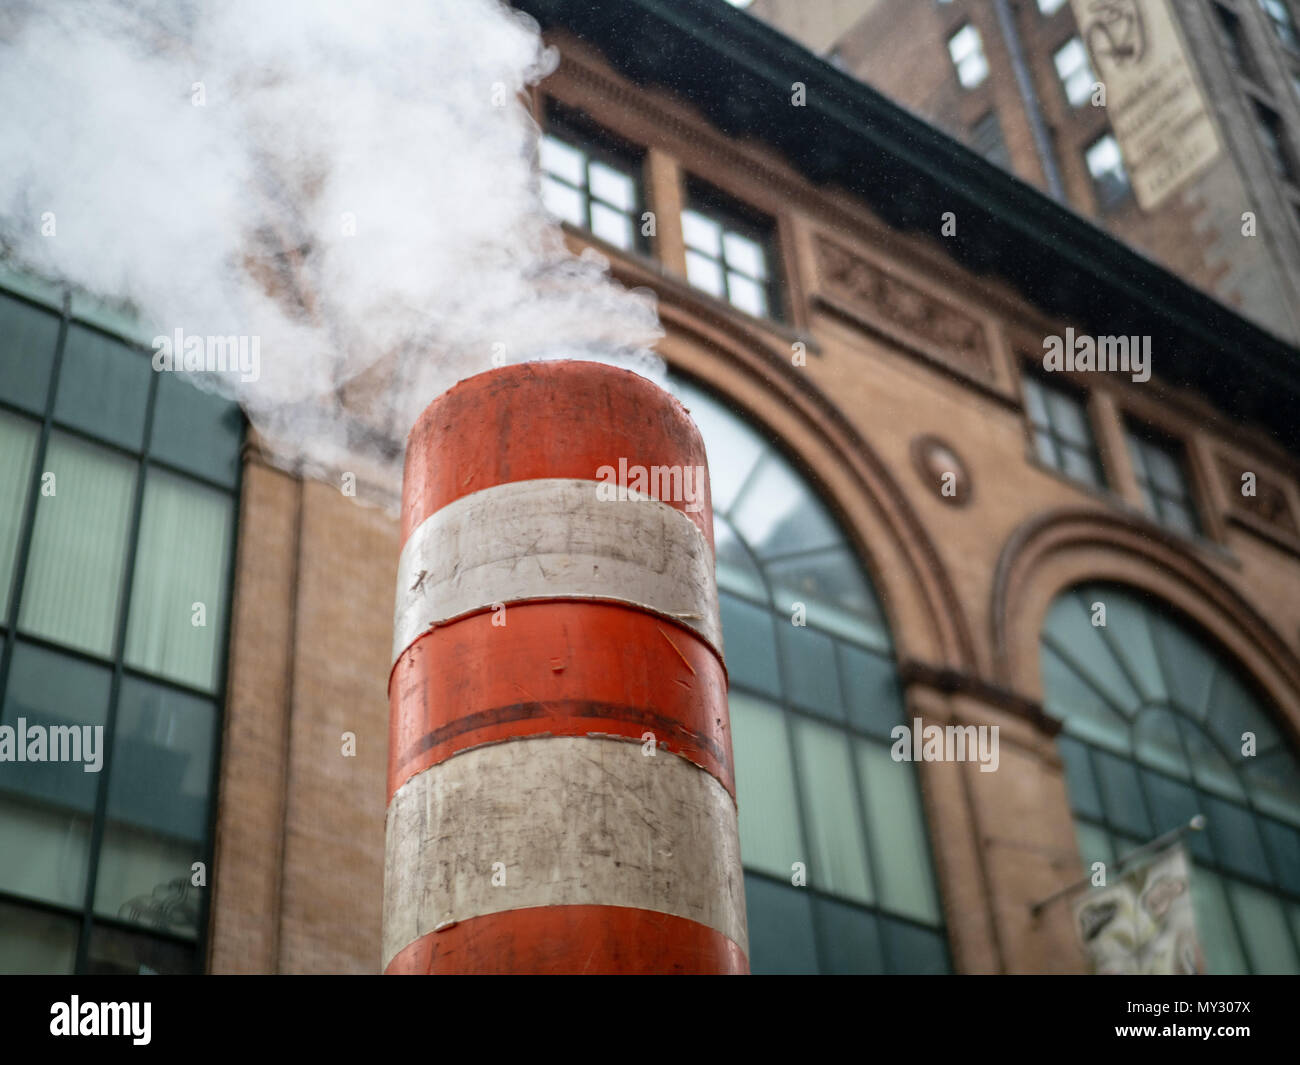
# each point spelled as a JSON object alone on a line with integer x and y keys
{"x": 561, "y": 790}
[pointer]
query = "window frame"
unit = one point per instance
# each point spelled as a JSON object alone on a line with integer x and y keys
{"x": 979, "y": 50}
{"x": 1285, "y": 30}
{"x": 735, "y": 216}
{"x": 578, "y": 131}
{"x": 1108, "y": 201}
{"x": 880, "y": 647}
{"x": 1031, "y": 377}
{"x": 144, "y": 458}
{"x": 1061, "y": 79}
{"x": 1221, "y": 664}
{"x": 1140, "y": 435}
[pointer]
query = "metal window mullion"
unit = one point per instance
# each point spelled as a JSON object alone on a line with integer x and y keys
{"x": 214, "y": 776}
{"x": 25, "y": 536}
{"x": 1220, "y": 867}
{"x": 1082, "y": 674}
{"x": 110, "y": 723}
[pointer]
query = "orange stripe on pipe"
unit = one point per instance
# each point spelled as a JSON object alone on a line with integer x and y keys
{"x": 607, "y": 940}
{"x": 561, "y": 669}
{"x": 544, "y": 419}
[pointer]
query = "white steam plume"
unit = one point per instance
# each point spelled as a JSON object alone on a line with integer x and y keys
{"x": 352, "y": 183}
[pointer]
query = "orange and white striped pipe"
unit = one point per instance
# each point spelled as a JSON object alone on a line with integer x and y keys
{"x": 561, "y": 796}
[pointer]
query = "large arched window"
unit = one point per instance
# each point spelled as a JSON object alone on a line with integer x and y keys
{"x": 1155, "y": 723}
{"x": 814, "y": 693}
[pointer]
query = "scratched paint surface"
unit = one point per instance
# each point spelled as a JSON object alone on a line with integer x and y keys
{"x": 574, "y": 821}
{"x": 553, "y": 538}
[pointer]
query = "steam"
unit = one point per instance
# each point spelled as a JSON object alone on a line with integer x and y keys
{"x": 350, "y": 183}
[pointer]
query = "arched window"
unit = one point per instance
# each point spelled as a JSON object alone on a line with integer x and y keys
{"x": 1158, "y": 727}
{"x": 814, "y": 693}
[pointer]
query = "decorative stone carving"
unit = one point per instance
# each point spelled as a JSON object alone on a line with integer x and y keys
{"x": 942, "y": 469}
{"x": 1268, "y": 503}
{"x": 919, "y": 320}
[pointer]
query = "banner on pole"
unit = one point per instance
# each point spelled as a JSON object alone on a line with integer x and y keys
{"x": 1143, "y": 922}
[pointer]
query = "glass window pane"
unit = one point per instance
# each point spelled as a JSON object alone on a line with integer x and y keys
{"x": 1264, "y": 926}
{"x": 1121, "y": 795}
{"x": 1284, "y": 846}
{"x": 562, "y": 160}
{"x": 871, "y": 690}
{"x": 35, "y": 943}
{"x": 781, "y": 938}
{"x": 611, "y": 226}
{"x": 751, "y": 645}
{"x": 1209, "y": 768}
{"x": 733, "y": 447}
{"x": 898, "y": 840}
{"x": 180, "y": 577}
{"x": 1214, "y": 925}
{"x": 1085, "y": 798}
{"x": 74, "y": 573}
{"x": 563, "y": 202}
{"x": 770, "y": 839}
{"x": 196, "y": 430}
{"x": 157, "y": 807}
{"x": 837, "y": 859}
{"x": 1084, "y": 712}
{"x": 704, "y": 273}
{"x": 28, "y": 338}
{"x": 1104, "y": 157}
{"x": 1274, "y": 784}
{"x": 1130, "y": 639}
{"x": 1233, "y": 711}
{"x": 1046, "y": 449}
{"x": 777, "y": 513}
{"x": 1178, "y": 517}
{"x": 1235, "y": 838}
{"x": 837, "y": 597}
{"x": 1174, "y": 804}
{"x": 914, "y": 951}
{"x": 18, "y": 440}
{"x": 744, "y": 255}
{"x": 737, "y": 571}
{"x": 1081, "y": 465}
{"x": 1188, "y": 665}
{"x": 1094, "y": 846}
{"x": 1073, "y": 635}
{"x": 1069, "y": 418}
{"x": 1035, "y": 402}
{"x": 615, "y": 188}
{"x": 46, "y": 806}
{"x": 103, "y": 387}
{"x": 748, "y": 295}
{"x": 114, "y": 952}
{"x": 1158, "y": 743}
{"x": 702, "y": 234}
{"x": 850, "y": 939}
{"x": 1165, "y": 471}
{"x": 811, "y": 679}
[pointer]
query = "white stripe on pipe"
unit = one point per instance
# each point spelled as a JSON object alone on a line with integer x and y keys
{"x": 571, "y": 821}
{"x": 553, "y": 538}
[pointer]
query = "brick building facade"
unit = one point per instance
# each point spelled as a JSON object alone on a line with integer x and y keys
{"x": 886, "y": 452}
{"x": 1029, "y": 107}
